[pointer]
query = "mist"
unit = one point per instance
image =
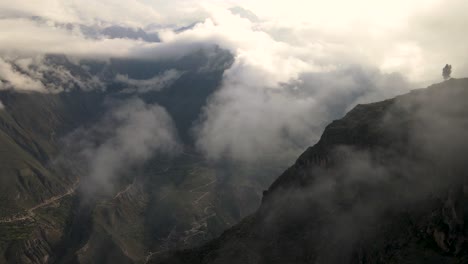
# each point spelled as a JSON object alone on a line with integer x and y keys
{"x": 361, "y": 190}
{"x": 157, "y": 83}
{"x": 292, "y": 72}
{"x": 128, "y": 135}
{"x": 258, "y": 124}
{"x": 137, "y": 127}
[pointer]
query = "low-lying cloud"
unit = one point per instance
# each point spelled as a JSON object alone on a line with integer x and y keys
{"x": 45, "y": 74}
{"x": 11, "y": 78}
{"x": 156, "y": 83}
{"x": 297, "y": 64}
{"x": 131, "y": 133}
{"x": 373, "y": 189}
{"x": 247, "y": 123}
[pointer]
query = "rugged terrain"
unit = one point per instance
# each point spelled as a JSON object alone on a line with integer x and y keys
{"x": 46, "y": 214}
{"x": 385, "y": 184}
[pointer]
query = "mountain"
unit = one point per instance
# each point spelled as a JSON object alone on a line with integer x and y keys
{"x": 31, "y": 125}
{"x": 129, "y": 33}
{"x": 46, "y": 212}
{"x": 387, "y": 183}
{"x": 99, "y": 31}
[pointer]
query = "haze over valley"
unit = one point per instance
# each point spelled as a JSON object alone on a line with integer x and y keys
{"x": 148, "y": 131}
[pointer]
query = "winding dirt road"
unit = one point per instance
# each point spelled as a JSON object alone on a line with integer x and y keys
{"x": 30, "y": 212}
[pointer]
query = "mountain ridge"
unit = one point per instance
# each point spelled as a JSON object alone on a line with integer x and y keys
{"x": 383, "y": 185}
{"x": 160, "y": 204}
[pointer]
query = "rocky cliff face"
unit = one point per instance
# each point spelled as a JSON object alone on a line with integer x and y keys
{"x": 385, "y": 184}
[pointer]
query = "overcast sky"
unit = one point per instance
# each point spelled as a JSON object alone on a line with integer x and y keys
{"x": 414, "y": 37}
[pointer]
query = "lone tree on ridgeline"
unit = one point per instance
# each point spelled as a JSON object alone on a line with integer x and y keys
{"x": 446, "y": 71}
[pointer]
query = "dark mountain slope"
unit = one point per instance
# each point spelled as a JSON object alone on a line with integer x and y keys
{"x": 385, "y": 184}
{"x": 30, "y": 126}
{"x": 36, "y": 190}
{"x": 33, "y": 124}
{"x": 165, "y": 203}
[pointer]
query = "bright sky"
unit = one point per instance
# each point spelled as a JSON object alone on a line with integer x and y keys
{"x": 407, "y": 36}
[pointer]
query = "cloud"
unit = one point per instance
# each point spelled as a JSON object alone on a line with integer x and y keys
{"x": 255, "y": 104}
{"x": 437, "y": 32}
{"x": 250, "y": 124}
{"x": 392, "y": 36}
{"x": 48, "y": 39}
{"x": 407, "y": 37}
{"x": 45, "y": 74}
{"x": 131, "y": 133}
{"x": 406, "y": 163}
{"x": 297, "y": 64}
{"x": 12, "y": 78}
{"x": 84, "y": 11}
{"x": 277, "y": 96}
{"x": 156, "y": 83}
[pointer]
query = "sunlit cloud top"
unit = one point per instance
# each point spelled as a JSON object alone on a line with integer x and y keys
{"x": 318, "y": 58}
{"x": 411, "y": 37}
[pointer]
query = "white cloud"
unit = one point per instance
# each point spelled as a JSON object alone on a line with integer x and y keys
{"x": 39, "y": 38}
{"x": 270, "y": 97}
{"x": 156, "y": 83}
{"x": 391, "y": 35}
{"x": 134, "y": 133}
{"x": 45, "y": 39}
{"x": 11, "y": 78}
{"x": 129, "y": 12}
{"x": 254, "y": 124}
{"x": 44, "y": 74}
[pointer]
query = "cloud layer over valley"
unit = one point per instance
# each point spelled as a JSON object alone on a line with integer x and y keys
{"x": 128, "y": 135}
{"x": 297, "y": 65}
